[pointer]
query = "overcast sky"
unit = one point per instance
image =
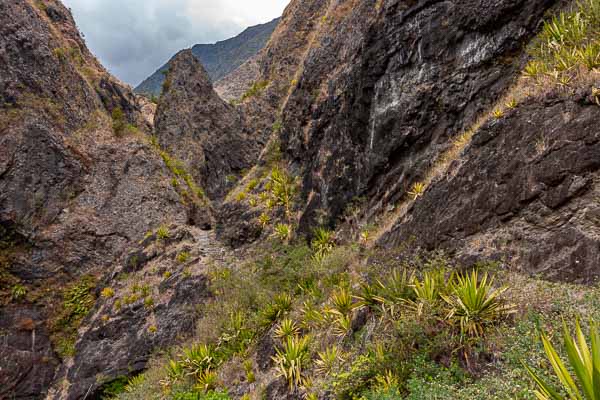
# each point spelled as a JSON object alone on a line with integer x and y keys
{"x": 132, "y": 38}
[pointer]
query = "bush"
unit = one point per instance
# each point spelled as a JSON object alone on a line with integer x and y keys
{"x": 567, "y": 44}
{"x": 475, "y": 304}
{"x": 292, "y": 359}
{"x": 584, "y": 363}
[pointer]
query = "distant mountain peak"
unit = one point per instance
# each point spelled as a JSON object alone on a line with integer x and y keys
{"x": 219, "y": 59}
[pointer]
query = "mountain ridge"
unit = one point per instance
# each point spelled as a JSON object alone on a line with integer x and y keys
{"x": 220, "y": 58}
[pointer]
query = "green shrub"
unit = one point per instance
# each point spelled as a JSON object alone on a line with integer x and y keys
{"x": 475, "y": 304}
{"x": 18, "y": 292}
{"x": 119, "y": 123}
{"x": 255, "y": 89}
{"x": 585, "y": 363}
{"x": 291, "y": 360}
{"x": 567, "y": 44}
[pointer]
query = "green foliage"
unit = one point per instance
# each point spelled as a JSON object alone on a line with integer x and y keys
{"x": 567, "y": 44}
{"x": 292, "y": 359}
{"x": 417, "y": 190}
{"x": 328, "y": 360}
{"x": 286, "y": 328}
{"x": 18, "y": 292}
{"x": 283, "y": 189}
{"x": 119, "y": 123}
{"x": 281, "y": 305}
{"x": 111, "y": 389}
{"x": 183, "y": 257}
{"x": 255, "y": 90}
{"x": 211, "y": 395}
{"x": 475, "y": 304}
{"x": 585, "y": 363}
{"x": 162, "y": 233}
{"x": 395, "y": 291}
{"x": 323, "y": 243}
{"x": 283, "y": 232}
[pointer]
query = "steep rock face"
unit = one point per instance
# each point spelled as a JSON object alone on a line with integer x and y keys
{"x": 526, "y": 188}
{"x": 155, "y": 303}
{"x": 384, "y": 88}
{"x": 219, "y": 59}
{"x": 77, "y": 194}
{"x": 195, "y": 125}
{"x": 233, "y": 86}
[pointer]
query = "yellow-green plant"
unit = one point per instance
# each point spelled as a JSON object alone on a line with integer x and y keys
{"x": 429, "y": 289}
{"x": 264, "y": 220}
{"x": 584, "y": 362}
{"x": 395, "y": 291}
{"x": 292, "y": 359}
{"x": 498, "y": 113}
{"x": 135, "y": 382}
{"x": 241, "y": 196}
{"x": 198, "y": 358}
{"x": 417, "y": 190}
{"x": 283, "y": 232}
{"x": 474, "y": 304}
{"x": 323, "y": 243}
{"x": 283, "y": 190}
{"x": 162, "y": 233}
{"x": 206, "y": 381}
{"x": 18, "y": 292}
{"x": 175, "y": 373}
{"x": 342, "y": 325}
{"x": 281, "y": 305}
{"x": 286, "y": 328}
{"x": 327, "y": 360}
{"x": 183, "y": 257}
{"x": 341, "y": 302}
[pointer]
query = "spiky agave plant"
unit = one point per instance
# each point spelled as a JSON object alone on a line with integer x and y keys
{"x": 323, "y": 243}
{"x": 475, "y": 304}
{"x": 286, "y": 328}
{"x": 328, "y": 359}
{"x": 585, "y": 364}
{"x": 292, "y": 359}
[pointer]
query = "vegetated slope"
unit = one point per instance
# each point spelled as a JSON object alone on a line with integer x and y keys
{"x": 218, "y": 59}
{"x": 195, "y": 125}
{"x": 81, "y": 182}
{"x": 374, "y": 119}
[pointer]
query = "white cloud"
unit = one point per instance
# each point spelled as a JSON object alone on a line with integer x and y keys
{"x": 132, "y": 38}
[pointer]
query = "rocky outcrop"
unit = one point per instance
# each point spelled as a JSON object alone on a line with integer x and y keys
{"x": 219, "y": 59}
{"x": 385, "y": 88}
{"x": 525, "y": 191}
{"x": 79, "y": 181}
{"x": 233, "y": 86}
{"x": 150, "y": 301}
{"x": 197, "y": 127}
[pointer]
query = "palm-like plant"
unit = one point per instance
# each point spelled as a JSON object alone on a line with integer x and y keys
{"x": 323, "y": 242}
{"x": 198, "y": 359}
{"x": 291, "y": 360}
{"x": 283, "y": 232}
{"x": 395, "y": 290}
{"x": 584, "y": 362}
{"x": 327, "y": 360}
{"x": 287, "y": 328}
{"x": 475, "y": 304}
{"x": 283, "y": 189}
{"x": 429, "y": 289}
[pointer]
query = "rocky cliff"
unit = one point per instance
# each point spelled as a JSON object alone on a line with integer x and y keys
{"x": 219, "y": 59}
{"x": 400, "y": 124}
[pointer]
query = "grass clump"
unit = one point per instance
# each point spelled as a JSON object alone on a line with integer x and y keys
{"x": 568, "y": 45}
{"x": 255, "y": 90}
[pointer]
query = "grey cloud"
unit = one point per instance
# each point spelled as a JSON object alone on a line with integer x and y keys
{"x": 132, "y": 38}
